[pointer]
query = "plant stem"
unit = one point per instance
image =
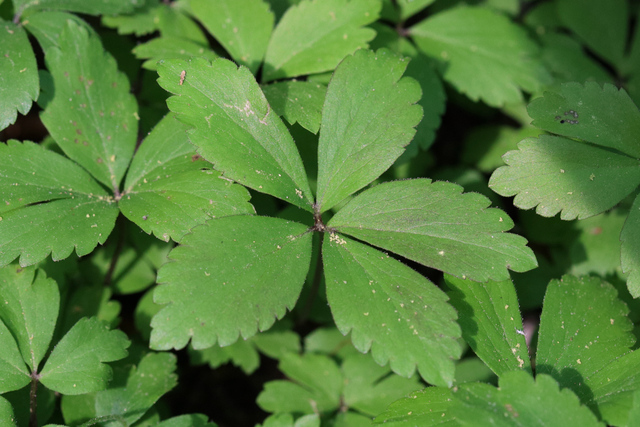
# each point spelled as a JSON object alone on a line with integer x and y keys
{"x": 315, "y": 285}
{"x": 33, "y": 400}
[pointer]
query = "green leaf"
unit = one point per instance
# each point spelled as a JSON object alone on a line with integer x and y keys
{"x": 153, "y": 377}
{"x": 233, "y": 275}
{"x": 401, "y": 316}
{"x": 174, "y": 20}
{"x": 429, "y": 407}
{"x": 47, "y": 27}
{"x": 242, "y": 353}
{"x": 491, "y": 323}
{"x": 602, "y": 115}
{"x": 630, "y": 256}
{"x": 76, "y": 364}
{"x": 79, "y": 213}
{"x": 243, "y": 27}
{"x": 368, "y": 118}
{"x": 14, "y": 374}
{"x": 520, "y": 401}
{"x": 437, "y": 226}
{"x": 317, "y": 387}
{"x": 250, "y": 144}
{"x": 93, "y": 7}
{"x": 583, "y": 328}
{"x": 167, "y": 47}
{"x": 556, "y": 174}
{"x": 91, "y": 114}
{"x": 19, "y": 82}
{"x": 314, "y": 36}
{"x": 6, "y": 413}
{"x": 299, "y": 102}
{"x": 140, "y": 23}
{"x": 168, "y": 191}
{"x": 411, "y": 7}
{"x": 484, "y": 55}
{"x": 190, "y": 420}
{"x": 30, "y": 310}
{"x": 602, "y": 25}
{"x": 369, "y": 388}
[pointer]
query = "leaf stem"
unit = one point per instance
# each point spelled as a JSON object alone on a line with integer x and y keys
{"x": 33, "y": 400}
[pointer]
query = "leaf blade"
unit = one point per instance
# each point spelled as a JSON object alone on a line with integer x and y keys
{"x": 630, "y": 254}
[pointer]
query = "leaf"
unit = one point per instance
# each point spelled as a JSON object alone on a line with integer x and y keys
{"x": 190, "y": 420}
{"x": 242, "y": 353}
{"x": 630, "y": 238}
{"x": 79, "y": 213}
{"x": 583, "y": 328}
{"x": 520, "y": 401}
{"x": 556, "y": 174}
{"x": 91, "y": 114}
{"x": 314, "y": 36}
{"x": 369, "y": 388}
{"x": 602, "y": 115}
{"x": 153, "y": 377}
{"x": 317, "y": 386}
{"x": 411, "y": 7}
{"x": 167, "y": 47}
{"x": 93, "y": 7}
{"x": 19, "y": 83}
{"x": 493, "y": 66}
{"x": 437, "y": 226}
{"x": 429, "y": 407}
{"x": 168, "y": 191}
{"x": 401, "y": 316}
{"x": 602, "y": 25}
{"x": 14, "y": 374}
{"x": 368, "y": 118}
{"x": 175, "y": 21}
{"x": 233, "y": 275}
{"x": 140, "y": 23}
{"x": 47, "y": 27}
{"x": 250, "y": 144}
{"x": 77, "y": 363}
{"x": 30, "y": 310}
{"x": 297, "y": 102}
{"x": 243, "y": 27}
{"x": 6, "y": 413}
{"x": 491, "y": 324}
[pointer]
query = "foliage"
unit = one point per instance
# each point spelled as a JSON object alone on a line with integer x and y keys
{"x": 245, "y": 180}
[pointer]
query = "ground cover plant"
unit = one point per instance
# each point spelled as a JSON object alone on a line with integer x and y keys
{"x": 299, "y": 212}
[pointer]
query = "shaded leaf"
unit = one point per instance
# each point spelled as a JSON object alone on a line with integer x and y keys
{"x": 190, "y": 420}
{"x": 6, "y": 413}
{"x": 401, "y": 316}
{"x": 314, "y": 36}
{"x": 411, "y": 7}
{"x": 556, "y": 174}
{"x": 168, "y": 191}
{"x": 250, "y": 144}
{"x": 602, "y": 115}
{"x": 630, "y": 238}
{"x": 30, "y": 310}
{"x": 243, "y": 27}
{"x": 485, "y": 55}
{"x": 429, "y": 407}
{"x": 167, "y": 47}
{"x": 141, "y": 22}
{"x": 77, "y": 363}
{"x": 368, "y": 118}
{"x": 233, "y": 275}
{"x": 91, "y": 114}
{"x": 47, "y": 27}
{"x": 438, "y": 226}
{"x": 299, "y": 102}
{"x": 241, "y": 353}
{"x": 19, "y": 82}
{"x": 491, "y": 324}
{"x": 93, "y": 7}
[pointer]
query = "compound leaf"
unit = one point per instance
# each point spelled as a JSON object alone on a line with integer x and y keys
{"x": 556, "y": 174}
{"x": 314, "y": 36}
{"x": 429, "y": 407}
{"x": 89, "y": 110}
{"x": 602, "y": 25}
{"x": 78, "y": 212}
{"x": 630, "y": 255}
{"x": 520, "y": 401}
{"x": 602, "y": 115}
{"x": 30, "y": 310}
{"x": 368, "y": 118}
{"x": 583, "y": 328}
{"x": 93, "y": 7}
{"x": 402, "y": 317}
{"x": 484, "y": 54}
{"x": 297, "y": 102}
{"x": 491, "y": 323}
{"x": 231, "y": 276}
{"x": 317, "y": 388}
{"x": 243, "y": 27}
{"x": 153, "y": 377}
{"x": 168, "y": 190}
{"x": 167, "y": 47}
{"x": 437, "y": 226}
{"x": 19, "y": 82}
{"x": 77, "y": 363}
{"x": 234, "y": 127}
